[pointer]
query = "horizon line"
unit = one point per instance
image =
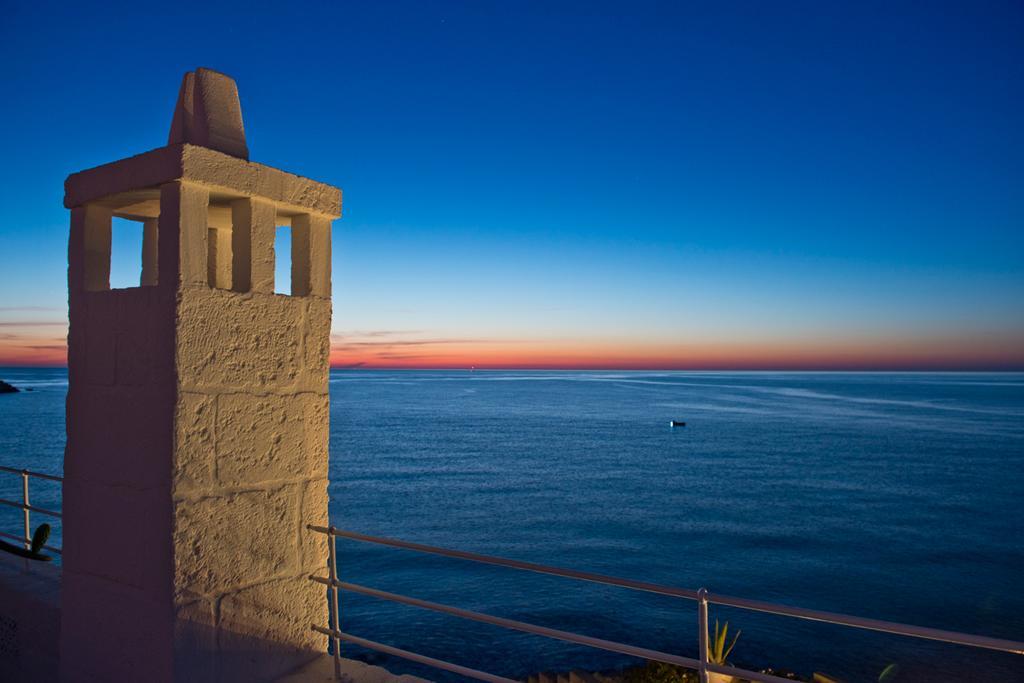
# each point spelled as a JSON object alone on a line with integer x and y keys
{"x": 597, "y": 368}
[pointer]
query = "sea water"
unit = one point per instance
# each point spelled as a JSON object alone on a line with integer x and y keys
{"x": 894, "y": 496}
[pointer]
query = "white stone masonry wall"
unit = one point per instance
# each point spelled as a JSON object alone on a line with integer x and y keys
{"x": 198, "y": 432}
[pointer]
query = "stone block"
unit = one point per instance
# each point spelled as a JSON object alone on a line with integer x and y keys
{"x": 316, "y": 410}
{"x": 150, "y": 271}
{"x": 316, "y": 349}
{"x": 163, "y": 337}
{"x": 289, "y": 192}
{"x": 123, "y": 433}
{"x": 318, "y": 230}
{"x": 262, "y": 438}
{"x": 218, "y": 257}
{"x": 183, "y": 120}
{"x": 220, "y": 170}
{"x": 195, "y": 610}
{"x": 95, "y": 242}
{"x": 142, "y": 349}
{"x": 252, "y": 246}
{"x": 146, "y": 170}
{"x": 195, "y": 455}
{"x": 76, "y": 251}
{"x": 100, "y": 315}
{"x": 311, "y": 255}
{"x": 77, "y": 348}
{"x": 182, "y": 233}
{"x": 229, "y": 341}
{"x": 278, "y": 611}
{"x": 313, "y": 544}
{"x": 100, "y": 357}
{"x": 118, "y": 534}
{"x": 300, "y": 256}
{"x": 224, "y": 542}
{"x": 134, "y": 362}
{"x": 219, "y": 114}
{"x": 208, "y": 113}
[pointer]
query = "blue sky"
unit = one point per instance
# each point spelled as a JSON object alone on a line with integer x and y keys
{"x": 633, "y": 181}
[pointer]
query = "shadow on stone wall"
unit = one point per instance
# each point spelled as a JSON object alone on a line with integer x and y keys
{"x": 30, "y": 594}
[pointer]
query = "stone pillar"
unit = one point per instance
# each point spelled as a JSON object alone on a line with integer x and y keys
{"x": 197, "y": 423}
{"x": 252, "y": 245}
{"x": 149, "y": 253}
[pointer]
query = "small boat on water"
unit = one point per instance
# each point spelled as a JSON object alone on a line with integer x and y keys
{"x": 676, "y": 423}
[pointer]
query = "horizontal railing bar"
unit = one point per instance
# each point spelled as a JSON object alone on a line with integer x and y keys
{"x": 31, "y": 508}
{"x": 491, "y": 678}
{"x": 412, "y": 656}
{"x": 30, "y": 473}
{"x": 16, "y": 537}
{"x": 514, "y": 625}
{"x": 986, "y": 642}
{"x": 513, "y": 564}
{"x": 29, "y": 540}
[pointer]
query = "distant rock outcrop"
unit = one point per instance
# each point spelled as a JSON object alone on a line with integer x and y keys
{"x": 6, "y": 388}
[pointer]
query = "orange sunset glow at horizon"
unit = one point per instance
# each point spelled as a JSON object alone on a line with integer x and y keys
{"x": 883, "y": 354}
{"x": 43, "y": 344}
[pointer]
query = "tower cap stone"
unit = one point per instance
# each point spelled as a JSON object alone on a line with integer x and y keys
{"x": 208, "y": 114}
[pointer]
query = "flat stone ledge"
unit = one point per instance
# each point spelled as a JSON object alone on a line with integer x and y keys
{"x": 321, "y": 670}
{"x": 238, "y": 177}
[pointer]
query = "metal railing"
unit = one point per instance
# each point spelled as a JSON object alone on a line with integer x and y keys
{"x": 703, "y": 598}
{"x": 27, "y": 508}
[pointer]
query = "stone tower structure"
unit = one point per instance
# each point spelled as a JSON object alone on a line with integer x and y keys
{"x": 197, "y": 411}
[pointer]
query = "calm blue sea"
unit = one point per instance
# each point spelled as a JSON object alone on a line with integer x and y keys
{"x": 894, "y": 496}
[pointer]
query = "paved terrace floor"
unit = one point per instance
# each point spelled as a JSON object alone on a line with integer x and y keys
{"x": 30, "y": 628}
{"x": 322, "y": 671}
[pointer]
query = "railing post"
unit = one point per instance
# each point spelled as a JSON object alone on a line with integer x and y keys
{"x": 24, "y": 510}
{"x": 702, "y": 634}
{"x": 336, "y": 626}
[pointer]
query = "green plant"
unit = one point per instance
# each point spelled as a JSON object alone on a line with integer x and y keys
{"x": 39, "y": 538}
{"x": 34, "y": 551}
{"x": 888, "y": 673}
{"x": 717, "y": 650}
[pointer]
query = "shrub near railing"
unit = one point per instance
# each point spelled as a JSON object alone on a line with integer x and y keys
{"x": 29, "y": 540}
{"x": 33, "y": 552}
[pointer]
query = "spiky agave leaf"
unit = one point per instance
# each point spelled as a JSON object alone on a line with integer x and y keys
{"x": 729, "y": 649}
{"x": 888, "y": 673}
{"x": 717, "y": 650}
